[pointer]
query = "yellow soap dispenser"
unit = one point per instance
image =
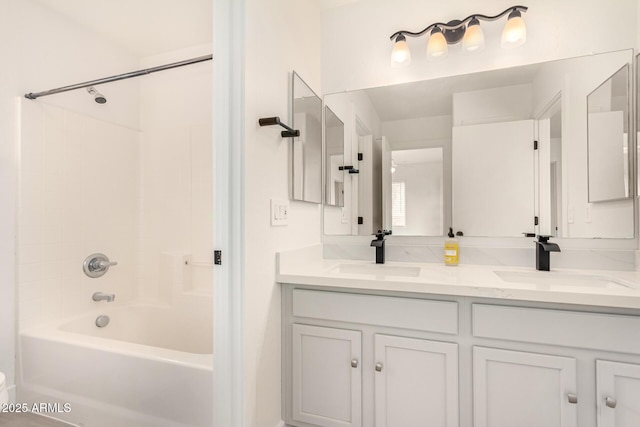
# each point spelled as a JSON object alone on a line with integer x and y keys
{"x": 451, "y": 249}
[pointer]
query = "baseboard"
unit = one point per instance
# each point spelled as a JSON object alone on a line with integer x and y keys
{"x": 281, "y": 424}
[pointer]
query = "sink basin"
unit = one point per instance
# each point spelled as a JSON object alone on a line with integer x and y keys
{"x": 378, "y": 270}
{"x": 545, "y": 278}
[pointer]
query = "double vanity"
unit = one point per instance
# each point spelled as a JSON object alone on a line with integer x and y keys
{"x": 409, "y": 344}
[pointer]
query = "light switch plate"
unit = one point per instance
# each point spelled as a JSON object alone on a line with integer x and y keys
{"x": 279, "y": 212}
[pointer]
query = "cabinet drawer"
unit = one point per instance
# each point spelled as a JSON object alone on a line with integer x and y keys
{"x": 395, "y": 312}
{"x": 596, "y": 331}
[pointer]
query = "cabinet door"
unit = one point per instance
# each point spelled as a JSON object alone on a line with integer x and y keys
{"x": 327, "y": 386}
{"x": 513, "y": 388}
{"x": 618, "y": 394}
{"x": 416, "y": 382}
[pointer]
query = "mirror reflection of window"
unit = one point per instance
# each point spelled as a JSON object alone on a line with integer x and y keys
{"x": 417, "y": 192}
{"x": 398, "y": 212}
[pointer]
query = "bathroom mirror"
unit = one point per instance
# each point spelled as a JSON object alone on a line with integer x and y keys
{"x": 306, "y": 167}
{"x": 334, "y": 158}
{"x": 608, "y": 138}
{"x": 490, "y": 187}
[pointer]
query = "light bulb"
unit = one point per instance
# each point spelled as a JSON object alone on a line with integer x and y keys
{"x": 515, "y": 32}
{"x": 400, "y": 55}
{"x": 437, "y": 45}
{"x": 473, "y": 40}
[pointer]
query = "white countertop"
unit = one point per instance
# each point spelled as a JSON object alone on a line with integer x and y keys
{"x": 567, "y": 286}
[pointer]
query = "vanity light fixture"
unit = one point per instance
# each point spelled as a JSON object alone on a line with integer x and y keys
{"x": 467, "y": 30}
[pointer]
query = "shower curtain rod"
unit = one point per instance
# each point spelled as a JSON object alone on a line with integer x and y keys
{"x": 32, "y": 95}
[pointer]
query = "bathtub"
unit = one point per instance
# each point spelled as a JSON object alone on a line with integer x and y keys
{"x": 151, "y": 366}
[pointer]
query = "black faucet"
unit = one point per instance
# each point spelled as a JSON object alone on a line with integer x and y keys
{"x": 543, "y": 247}
{"x": 378, "y": 242}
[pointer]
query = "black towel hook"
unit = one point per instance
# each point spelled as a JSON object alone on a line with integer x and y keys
{"x": 270, "y": 121}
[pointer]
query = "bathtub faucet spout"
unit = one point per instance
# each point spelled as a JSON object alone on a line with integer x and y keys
{"x": 100, "y": 296}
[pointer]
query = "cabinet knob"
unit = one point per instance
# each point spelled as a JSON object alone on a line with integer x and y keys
{"x": 610, "y": 402}
{"x": 573, "y": 399}
{"x": 354, "y": 363}
{"x": 378, "y": 367}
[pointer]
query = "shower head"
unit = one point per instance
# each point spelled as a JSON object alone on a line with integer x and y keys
{"x": 98, "y": 97}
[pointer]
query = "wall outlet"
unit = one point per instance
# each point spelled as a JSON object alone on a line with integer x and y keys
{"x": 279, "y": 212}
{"x": 345, "y": 218}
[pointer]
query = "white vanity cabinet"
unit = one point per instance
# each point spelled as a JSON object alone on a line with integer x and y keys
{"x": 416, "y": 382}
{"x": 342, "y": 370}
{"x": 618, "y": 394}
{"x": 326, "y": 376}
{"x": 510, "y": 388}
{"x": 387, "y": 359}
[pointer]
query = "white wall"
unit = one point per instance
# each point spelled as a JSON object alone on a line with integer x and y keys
{"x": 280, "y": 36}
{"x": 41, "y": 51}
{"x": 71, "y": 204}
{"x": 176, "y": 182}
{"x": 500, "y": 104}
{"x": 356, "y": 47}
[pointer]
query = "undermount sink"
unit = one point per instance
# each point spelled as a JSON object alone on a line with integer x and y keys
{"x": 377, "y": 270}
{"x": 545, "y": 278}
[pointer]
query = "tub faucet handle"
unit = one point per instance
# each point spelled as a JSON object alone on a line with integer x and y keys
{"x": 96, "y": 265}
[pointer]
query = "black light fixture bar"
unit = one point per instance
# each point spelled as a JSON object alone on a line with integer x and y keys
{"x": 455, "y": 24}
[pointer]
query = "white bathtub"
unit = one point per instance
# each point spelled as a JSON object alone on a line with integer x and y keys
{"x": 150, "y": 367}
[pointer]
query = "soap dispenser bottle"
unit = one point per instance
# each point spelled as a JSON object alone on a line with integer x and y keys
{"x": 451, "y": 249}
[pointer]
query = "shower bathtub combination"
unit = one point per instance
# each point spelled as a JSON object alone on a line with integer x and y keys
{"x": 151, "y": 366}
{"x": 101, "y": 182}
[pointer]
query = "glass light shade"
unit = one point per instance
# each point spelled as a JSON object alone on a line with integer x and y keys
{"x": 400, "y": 55}
{"x": 437, "y": 45}
{"x": 514, "y": 33}
{"x": 473, "y": 40}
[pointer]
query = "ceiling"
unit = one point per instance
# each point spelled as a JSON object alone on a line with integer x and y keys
{"x": 142, "y": 27}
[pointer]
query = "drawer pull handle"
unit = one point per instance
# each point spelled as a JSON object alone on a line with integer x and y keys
{"x": 378, "y": 367}
{"x": 610, "y": 402}
{"x": 354, "y": 363}
{"x": 573, "y": 399}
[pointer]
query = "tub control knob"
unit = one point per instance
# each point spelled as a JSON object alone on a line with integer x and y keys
{"x": 96, "y": 265}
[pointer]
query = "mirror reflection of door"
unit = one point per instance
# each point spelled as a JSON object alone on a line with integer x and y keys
{"x": 368, "y": 197}
{"x": 417, "y": 192}
{"x": 551, "y": 198}
{"x": 334, "y": 147}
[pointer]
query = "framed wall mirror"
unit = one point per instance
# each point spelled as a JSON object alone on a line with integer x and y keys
{"x": 512, "y": 150}
{"x": 608, "y": 138}
{"x": 306, "y": 170}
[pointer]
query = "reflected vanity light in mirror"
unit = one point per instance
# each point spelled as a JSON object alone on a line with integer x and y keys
{"x": 467, "y": 30}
